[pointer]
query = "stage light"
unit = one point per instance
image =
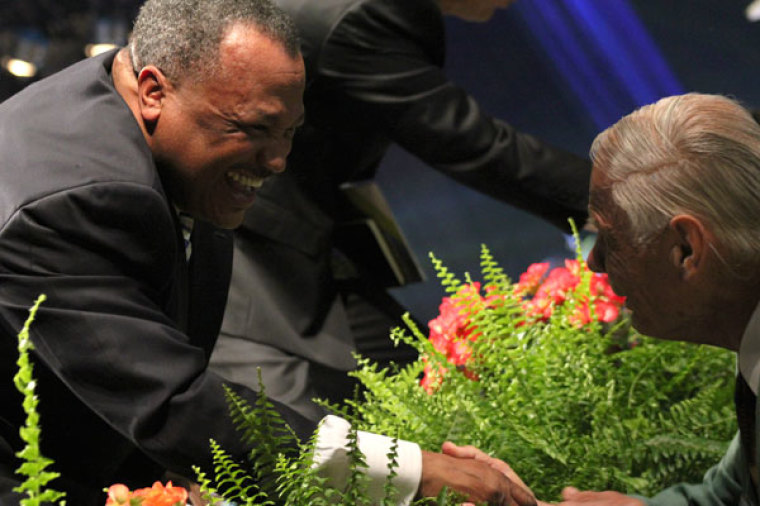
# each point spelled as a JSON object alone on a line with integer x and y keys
{"x": 27, "y": 56}
{"x": 752, "y": 12}
{"x": 108, "y": 33}
{"x": 19, "y": 68}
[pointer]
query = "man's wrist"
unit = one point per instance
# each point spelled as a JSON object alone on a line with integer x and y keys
{"x": 331, "y": 455}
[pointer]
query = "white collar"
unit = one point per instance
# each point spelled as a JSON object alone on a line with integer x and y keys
{"x": 749, "y": 352}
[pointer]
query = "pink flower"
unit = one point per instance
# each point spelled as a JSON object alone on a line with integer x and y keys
{"x": 118, "y": 494}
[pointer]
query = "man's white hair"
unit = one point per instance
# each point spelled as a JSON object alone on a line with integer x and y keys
{"x": 691, "y": 154}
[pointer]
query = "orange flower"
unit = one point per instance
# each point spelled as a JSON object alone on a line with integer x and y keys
{"x": 157, "y": 495}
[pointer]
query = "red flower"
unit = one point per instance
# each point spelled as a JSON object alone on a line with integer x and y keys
{"x": 459, "y": 352}
{"x": 560, "y": 281}
{"x": 600, "y": 286}
{"x": 432, "y": 376}
{"x": 553, "y": 291}
{"x": 538, "y": 307}
{"x": 530, "y": 279}
{"x": 606, "y": 311}
{"x": 452, "y": 331}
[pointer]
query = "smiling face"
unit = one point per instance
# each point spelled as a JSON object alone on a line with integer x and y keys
{"x": 473, "y": 10}
{"x": 215, "y": 141}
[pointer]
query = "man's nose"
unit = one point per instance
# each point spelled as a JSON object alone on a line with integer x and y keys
{"x": 274, "y": 156}
{"x": 594, "y": 261}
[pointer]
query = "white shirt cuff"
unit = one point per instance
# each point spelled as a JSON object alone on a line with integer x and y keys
{"x": 331, "y": 455}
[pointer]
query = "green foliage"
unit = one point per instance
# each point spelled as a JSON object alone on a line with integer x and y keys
{"x": 34, "y": 465}
{"x": 280, "y": 469}
{"x": 597, "y": 407}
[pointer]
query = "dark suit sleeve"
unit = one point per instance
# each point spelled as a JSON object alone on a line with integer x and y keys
{"x": 106, "y": 257}
{"x": 379, "y": 63}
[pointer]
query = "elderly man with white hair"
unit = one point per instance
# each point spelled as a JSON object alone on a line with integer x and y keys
{"x": 675, "y": 195}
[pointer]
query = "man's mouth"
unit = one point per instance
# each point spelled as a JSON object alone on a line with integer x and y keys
{"x": 244, "y": 182}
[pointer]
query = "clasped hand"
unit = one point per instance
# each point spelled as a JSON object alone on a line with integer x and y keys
{"x": 513, "y": 491}
{"x": 469, "y": 471}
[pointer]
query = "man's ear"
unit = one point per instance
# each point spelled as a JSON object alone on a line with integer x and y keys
{"x": 152, "y": 86}
{"x": 690, "y": 245}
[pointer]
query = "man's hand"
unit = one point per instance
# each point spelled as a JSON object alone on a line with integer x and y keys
{"x": 472, "y": 477}
{"x": 574, "y": 497}
{"x": 472, "y": 452}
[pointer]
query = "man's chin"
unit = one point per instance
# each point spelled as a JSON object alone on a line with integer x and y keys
{"x": 229, "y": 223}
{"x": 228, "y": 220}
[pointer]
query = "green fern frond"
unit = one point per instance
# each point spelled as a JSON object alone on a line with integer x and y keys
{"x": 234, "y": 482}
{"x": 33, "y": 464}
{"x": 449, "y": 281}
{"x": 492, "y": 272}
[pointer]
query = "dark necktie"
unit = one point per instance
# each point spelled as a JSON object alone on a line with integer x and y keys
{"x": 745, "y": 414}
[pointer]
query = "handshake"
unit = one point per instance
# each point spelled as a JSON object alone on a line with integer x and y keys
{"x": 483, "y": 478}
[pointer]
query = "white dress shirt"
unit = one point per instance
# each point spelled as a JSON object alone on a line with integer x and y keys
{"x": 332, "y": 456}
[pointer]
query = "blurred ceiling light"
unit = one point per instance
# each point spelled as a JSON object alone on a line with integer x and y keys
{"x": 108, "y": 33}
{"x": 19, "y": 68}
{"x": 753, "y": 11}
{"x": 28, "y": 54}
{"x": 96, "y": 49}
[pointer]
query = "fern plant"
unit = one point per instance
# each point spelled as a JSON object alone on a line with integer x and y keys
{"x": 596, "y": 405}
{"x": 281, "y": 469}
{"x": 34, "y": 466}
{"x": 564, "y": 392}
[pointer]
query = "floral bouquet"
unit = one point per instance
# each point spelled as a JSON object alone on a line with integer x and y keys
{"x": 451, "y": 331}
{"x": 547, "y": 374}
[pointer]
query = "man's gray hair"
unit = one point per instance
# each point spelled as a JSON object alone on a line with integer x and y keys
{"x": 182, "y": 37}
{"x": 693, "y": 154}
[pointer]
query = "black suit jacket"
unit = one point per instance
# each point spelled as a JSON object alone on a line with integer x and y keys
{"x": 374, "y": 76}
{"x": 123, "y": 340}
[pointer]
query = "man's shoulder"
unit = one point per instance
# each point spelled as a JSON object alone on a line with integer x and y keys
{"x": 70, "y": 130}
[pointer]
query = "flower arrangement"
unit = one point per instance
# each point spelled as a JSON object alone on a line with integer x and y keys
{"x": 547, "y": 374}
{"x": 451, "y": 330}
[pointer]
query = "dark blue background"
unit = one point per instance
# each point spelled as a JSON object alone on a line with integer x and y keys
{"x": 709, "y": 45}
